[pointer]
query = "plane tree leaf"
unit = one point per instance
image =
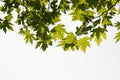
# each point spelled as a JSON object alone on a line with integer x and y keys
{"x": 83, "y": 43}
{"x": 68, "y": 42}
{"x": 58, "y": 32}
{"x": 117, "y": 37}
{"x": 118, "y": 25}
{"x": 98, "y": 35}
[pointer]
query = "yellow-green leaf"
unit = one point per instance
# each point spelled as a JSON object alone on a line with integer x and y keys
{"x": 70, "y": 38}
{"x": 83, "y": 43}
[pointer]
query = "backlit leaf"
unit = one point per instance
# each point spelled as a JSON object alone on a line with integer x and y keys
{"x": 58, "y": 32}
{"x": 83, "y": 43}
{"x": 70, "y": 38}
{"x": 117, "y": 37}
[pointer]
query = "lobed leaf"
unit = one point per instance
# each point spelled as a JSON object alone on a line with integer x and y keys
{"x": 83, "y": 43}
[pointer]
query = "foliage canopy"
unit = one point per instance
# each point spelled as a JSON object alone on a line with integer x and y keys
{"x": 36, "y": 16}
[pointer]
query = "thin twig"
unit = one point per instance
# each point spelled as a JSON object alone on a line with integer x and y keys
{"x": 90, "y": 20}
{"x": 107, "y": 9}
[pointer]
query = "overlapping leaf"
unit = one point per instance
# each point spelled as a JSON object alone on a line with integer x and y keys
{"x": 58, "y": 32}
{"x": 98, "y": 35}
{"x": 35, "y": 16}
{"x": 83, "y": 43}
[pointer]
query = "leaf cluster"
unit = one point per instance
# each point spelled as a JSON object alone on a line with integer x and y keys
{"x": 36, "y": 16}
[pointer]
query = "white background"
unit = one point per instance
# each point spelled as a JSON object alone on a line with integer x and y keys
{"x": 19, "y": 61}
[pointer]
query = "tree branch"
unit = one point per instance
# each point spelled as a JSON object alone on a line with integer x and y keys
{"x": 90, "y": 20}
{"x": 107, "y": 9}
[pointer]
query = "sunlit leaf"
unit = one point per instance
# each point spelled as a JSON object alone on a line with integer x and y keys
{"x": 83, "y": 43}
{"x": 58, "y": 32}
{"x": 70, "y": 38}
{"x": 98, "y": 35}
{"x": 118, "y": 25}
{"x": 117, "y": 37}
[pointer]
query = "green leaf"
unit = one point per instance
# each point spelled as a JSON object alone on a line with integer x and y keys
{"x": 98, "y": 40}
{"x": 102, "y": 9}
{"x": 90, "y": 13}
{"x": 83, "y": 43}
{"x": 113, "y": 1}
{"x": 81, "y": 1}
{"x": 44, "y": 46}
{"x": 18, "y": 10}
{"x": 10, "y": 1}
{"x": 64, "y": 5}
{"x": 58, "y": 32}
{"x": 6, "y": 25}
{"x": 38, "y": 44}
{"x": 118, "y": 25}
{"x": 117, "y": 37}
{"x": 97, "y": 22}
{"x": 103, "y": 35}
{"x": 9, "y": 17}
{"x": 98, "y": 34}
{"x": 119, "y": 11}
{"x": 70, "y": 38}
{"x": 21, "y": 31}
{"x": 106, "y": 22}
{"x": 29, "y": 37}
{"x": 68, "y": 42}
{"x": 56, "y": 19}
{"x": 77, "y": 15}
